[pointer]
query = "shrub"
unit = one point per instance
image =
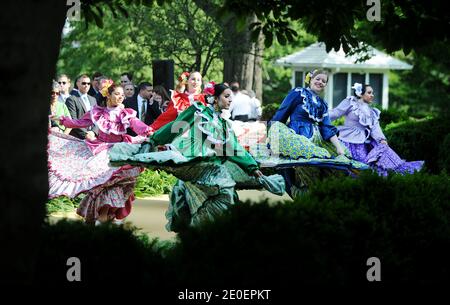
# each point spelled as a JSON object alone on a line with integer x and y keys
{"x": 327, "y": 236}
{"x": 444, "y": 154}
{"x": 419, "y": 141}
{"x": 269, "y": 111}
{"x": 152, "y": 182}
{"x": 107, "y": 254}
{"x": 63, "y": 204}
{"x": 323, "y": 237}
{"x": 392, "y": 115}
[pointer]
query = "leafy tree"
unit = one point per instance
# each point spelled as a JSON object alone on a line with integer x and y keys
{"x": 334, "y": 21}
{"x": 276, "y": 79}
{"x": 178, "y": 30}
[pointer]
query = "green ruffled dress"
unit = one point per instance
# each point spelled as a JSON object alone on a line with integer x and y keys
{"x": 202, "y": 151}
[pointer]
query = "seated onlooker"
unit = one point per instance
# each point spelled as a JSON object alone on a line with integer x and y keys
{"x": 64, "y": 85}
{"x": 256, "y": 106}
{"x": 99, "y": 97}
{"x": 161, "y": 97}
{"x": 241, "y": 108}
{"x": 146, "y": 112}
{"x": 129, "y": 90}
{"x": 78, "y": 104}
{"x": 57, "y": 109}
{"x": 94, "y": 90}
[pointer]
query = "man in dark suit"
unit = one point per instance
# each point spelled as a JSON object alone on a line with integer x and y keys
{"x": 146, "y": 112}
{"x": 93, "y": 90}
{"x": 78, "y": 104}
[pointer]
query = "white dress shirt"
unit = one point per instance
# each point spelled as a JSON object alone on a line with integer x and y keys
{"x": 141, "y": 100}
{"x": 86, "y": 102}
{"x": 241, "y": 105}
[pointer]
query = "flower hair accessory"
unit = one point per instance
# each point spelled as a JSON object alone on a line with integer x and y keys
{"x": 183, "y": 77}
{"x": 209, "y": 92}
{"x": 358, "y": 89}
{"x": 105, "y": 84}
{"x": 209, "y": 88}
{"x": 309, "y": 76}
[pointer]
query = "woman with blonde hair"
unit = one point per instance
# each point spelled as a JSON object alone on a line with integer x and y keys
{"x": 179, "y": 101}
{"x": 309, "y": 136}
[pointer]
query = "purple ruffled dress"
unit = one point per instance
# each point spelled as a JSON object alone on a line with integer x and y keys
{"x": 361, "y": 134}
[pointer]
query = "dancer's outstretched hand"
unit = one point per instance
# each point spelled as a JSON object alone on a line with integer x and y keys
{"x": 257, "y": 173}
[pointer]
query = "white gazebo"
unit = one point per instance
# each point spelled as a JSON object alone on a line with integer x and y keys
{"x": 344, "y": 71}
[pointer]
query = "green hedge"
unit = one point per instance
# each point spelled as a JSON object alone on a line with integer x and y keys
{"x": 324, "y": 237}
{"x": 328, "y": 235}
{"x": 420, "y": 141}
{"x": 392, "y": 115}
{"x": 444, "y": 154}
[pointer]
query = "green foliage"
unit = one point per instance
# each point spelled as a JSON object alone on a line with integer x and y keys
{"x": 323, "y": 237}
{"x": 392, "y": 115}
{"x": 63, "y": 204}
{"x": 423, "y": 89}
{"x": 403, "y": 220}
{"x": 106, "y": 252}
{"x": 335, "y": 22}
{"x": 269, "y": 111}
{"x": 277, "y": 80}
{"x": 152, "y": 183}
{"x": 421, "y": 140}
{"x": 444, "y": 154}
{"x": 174, "y": 30}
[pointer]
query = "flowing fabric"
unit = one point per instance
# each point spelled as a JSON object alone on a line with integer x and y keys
{"x": 204, "y": 154}
{"x": 362, "y": 134}
{"x": 80, "y": 166}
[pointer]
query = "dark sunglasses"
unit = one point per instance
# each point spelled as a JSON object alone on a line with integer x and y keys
{"x": 62, "y": 83}
{"x": 85, "y": 83}
{"x": 55, "y": 93}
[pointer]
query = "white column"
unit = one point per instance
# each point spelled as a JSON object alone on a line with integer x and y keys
{"x": 385, "y": 101}
{"x": 349, "y": 84}
{"x": 329, "y": 91}
{"x": 293, "y": 79}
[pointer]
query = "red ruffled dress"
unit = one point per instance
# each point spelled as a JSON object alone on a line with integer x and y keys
{"x": 178, "y": 103}
{"x": 76, "y": 166}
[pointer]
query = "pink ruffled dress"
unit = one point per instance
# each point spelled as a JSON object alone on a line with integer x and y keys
{"x": 77, "y": 166}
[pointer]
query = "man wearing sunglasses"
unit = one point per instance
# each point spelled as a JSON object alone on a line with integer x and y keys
{"x": 78, "y": 104}
{"x": 64, "y": 85}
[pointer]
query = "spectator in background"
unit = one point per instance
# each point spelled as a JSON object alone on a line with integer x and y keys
{"x": 64, "y": 86}
{"x": 94, "y": 90}
{"x": 126, "y": 79}
{"x": 161, "y": 97}
{"x": 140, "y": 103}
{"x": 102, "y": 81}
{"x": 57, "y": 109}
{"x": 256, "y": 106}
{"x": 241, "y": 108}
{"x": 129, "y": 90}
{"x": 75, "y": 86}
{"x": 78, "y": 104}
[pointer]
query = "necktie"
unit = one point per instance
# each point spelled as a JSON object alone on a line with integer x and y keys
{"x": 86, "y": 103}
{"x": 143, "y": 110}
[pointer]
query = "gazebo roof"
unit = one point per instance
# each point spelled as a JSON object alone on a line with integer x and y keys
{"x": 316, "y": 56}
